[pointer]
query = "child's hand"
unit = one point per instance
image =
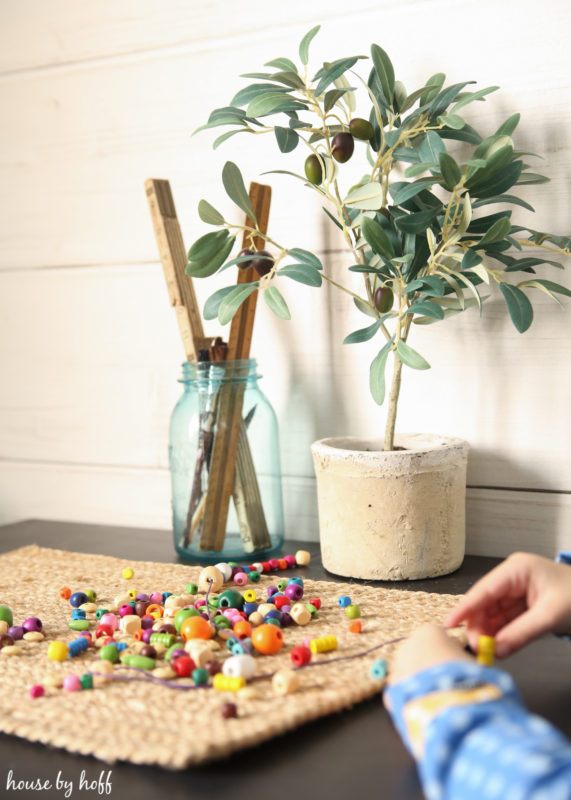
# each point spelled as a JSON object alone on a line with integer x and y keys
{"x": 524, "y": 597}
{"x": 425, "y": 647}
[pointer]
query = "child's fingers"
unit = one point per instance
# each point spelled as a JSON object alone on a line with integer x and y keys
{"x": 486, "y": 594}
{"x": 522, "y": 630}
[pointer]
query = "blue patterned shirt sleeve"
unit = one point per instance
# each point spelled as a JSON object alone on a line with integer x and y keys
{"x": 474, "y": 750}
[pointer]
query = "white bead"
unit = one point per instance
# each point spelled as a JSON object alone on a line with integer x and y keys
{"x": 225, "y": 569}
{"x": 210, "y": 578}
{"x": 259, "y": 566}
{"x": 130, "y": 623}
{"x": 303, "y": 557}
{"x": 265, "y": 608}
{"x": 300, "y": 614}
{"x": 174, "y": 602}
{"x": 285, "y": 681}
{"x": 242, "y": 666}
{"x": 3, "y": 627}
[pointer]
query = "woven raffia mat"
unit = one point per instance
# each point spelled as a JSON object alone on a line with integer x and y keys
{"x": 146, "y": 722}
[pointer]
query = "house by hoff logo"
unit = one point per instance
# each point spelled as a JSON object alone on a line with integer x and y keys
{"x": 101, "y": 785}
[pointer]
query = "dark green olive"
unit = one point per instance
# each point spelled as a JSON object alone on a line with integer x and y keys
{"x": 263, "y": 262}
{"x": 313, "y": 171}
{"x": 384, "y": 299}
{"x": 361, "y": 129}
{"x": 245, "y": 264}
{"x": 342, "y": 146}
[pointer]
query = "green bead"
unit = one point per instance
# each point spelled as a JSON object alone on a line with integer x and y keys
{"x": 109, "y": 653}
{"x": 164, "y": 638}
{"x": 6, "y": 615}
{"x": 353, "y": 612}
{"x": 199, "y": 676}
{"x": 233, "y": 564}
{"x": 183, "y": 614}
{"x": 254, "y": 576}
{"x": 86, "y": 681}
{"x": 281, "y": 585}
{"x": 222, "y": 622}
{"x": 231, "y": 599}
{"x": 91, "y": 595}
{"x": 79, "y": 624}
{"x": 100, "y": 611}
{"x": 273, "y": 621}
{"x": 311, "y": 608}
{"x": 139, "y": 662}
{"x": 213, "y": 601}
{"x": 191, "y": 588}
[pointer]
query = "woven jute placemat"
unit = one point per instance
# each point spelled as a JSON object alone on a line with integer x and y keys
{"x": 151, "y": 723}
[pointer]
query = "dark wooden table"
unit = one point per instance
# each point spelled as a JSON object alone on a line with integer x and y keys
{"x": 355, "y": 753}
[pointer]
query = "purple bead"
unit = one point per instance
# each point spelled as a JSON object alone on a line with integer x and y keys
{"x": 147, "y": 624}
{"x": 180, "y": 651}
{"x": 146, "y": 635}
{"x": 286, "y": 618}
{"x": 272, "y": 590}
{"x": 205, "y": 615}
{"x": 32, "y": 624}
{"x": 236, "y": 570}
{"x": 294, "y": 591}
{"x": 142, "y": 597}
{"x": 16, "y": 632}
{"x": 285, "y": 609}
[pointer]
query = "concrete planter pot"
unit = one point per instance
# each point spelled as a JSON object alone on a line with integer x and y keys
{"x": 396, "y": 515}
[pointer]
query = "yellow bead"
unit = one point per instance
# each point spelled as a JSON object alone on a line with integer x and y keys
{"x": 323, "y": 644}
{"x": 250, "y": 596}
{"x": 225, "y": 683}
{"x": 58, "y": 651}
{"x": 132, "y": 594}
{"x": 486, "y": 650}
{"x": 285, "y": 681}
{"x": 128, "y": 573}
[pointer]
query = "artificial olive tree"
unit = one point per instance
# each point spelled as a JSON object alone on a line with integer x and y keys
{"x": 424, "y": 244}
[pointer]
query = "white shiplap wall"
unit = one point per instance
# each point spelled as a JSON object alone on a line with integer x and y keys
{"x": 97, "y": 96}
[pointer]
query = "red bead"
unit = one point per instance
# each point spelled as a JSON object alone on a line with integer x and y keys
{"x": 37, "y": 691}
{"x": 266, "y": 566}
{"x": 183, "y": 666}
{"x": 103, "y": 630}
{"x": 300, "y": 655}
{"x": 229, "y": 710}
{"x": 280, "y": 600}
{"x": 315, "y": 601}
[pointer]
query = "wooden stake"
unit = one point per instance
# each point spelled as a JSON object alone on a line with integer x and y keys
{"x": 229, "y": 421}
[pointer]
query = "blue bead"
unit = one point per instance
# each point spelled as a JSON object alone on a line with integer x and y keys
{"x": 273, "y": 614}
{"x": 296, "y": 580}
{"x": 247, "y": 570}
{"x": 78, "y": 646}
{"x": 379, "y": 669}
{"x": 78, "y": 613}
{"x": 77, "y": 599}
{"x": 165, "y": 595}
{"x": 249, "y": 608}
{"x": 121, "y": 646}
{"x": 344, "y": 601}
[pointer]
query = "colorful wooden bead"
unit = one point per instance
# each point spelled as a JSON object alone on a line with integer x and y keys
{"x": 255, "y": 618}
{"x": 127, "y": 573}
{"x": 210, "y": 578}
{"x": 37, "y": 691}
{"x": 281, "y": 585}
{"x": 280, "y": 600}
{"x": 183, "y": 666}
{"x": 285, "y": 681}
{"x": 191, "y": 588}
{"x": 139, "y": 662}
{"x": 250, "y": 596}
{"x": 294, "y": 592}
{"x": 34, "y": 636}
{"x": 315, "y": 601}
{"x": 77, "y": 646}
{"x": 242, "y": 665}
{"x": 155, "y": 610}
{"x": 229, "y": 710}
{"x": 224, "y": 683}
{"x": 265, "y": 608}
{"x": 110, "y": 619}
{"x": 110, "y": 653}
{"x": 166, "y": 639}
{"x": 379, "y": 669}
{"x": 486, "y": 650}
{"x": 344, "y": 601}
{"x": 130, "y": 624}
{"x": 323, "y": 644}
{"x": 282, "y": 563}
{"x": 353, "y": 611}
{"x": 77, "y": 599}
{"x": 267, "y": 639}
{"x": 183, "y": 614}
{"x": 199, "y": 676}
{"x": 274, "y": 563}
{"x": 78, "y": 613}
{"x": 6, "y": 615}
{"x": 91, "y": 595}
{"x": 355, "y": 626}
{"x": 32, "y": 624}
{"x": 300, "y": 655}
{"x": 311, "y": 608}
{"x": 212, "y": 666}
{"x": 302, "y": 558}
{"x": 290, "y": 561}
{"x": 3, "y": 627}
{"x": 195, "y": 628}
{"x": 79, "y": 625}
{"x": 230, "y": 598}
{"x": 71, "y": 683}
{"x": 86, "y": 681}
{"x": 58, "y": 651}
{"x": 240, "y": 579}
{"x": 300, "y": 614}
{"x": 16, "y": 632}
{"x": 65, "y": 592}
{"x": 254, "y": 576}
{"x": 242, "y": 629}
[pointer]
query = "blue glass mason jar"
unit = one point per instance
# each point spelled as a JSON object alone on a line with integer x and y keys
{"x": 224, "y": 462}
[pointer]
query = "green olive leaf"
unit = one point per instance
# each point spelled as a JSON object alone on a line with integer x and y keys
{"x": 276, "y": 303}
{"x": 305, "y": 42}
{"x": 410, "y": 357}
{"x": 236, "y": 190}
{"x": 232, "y": 301}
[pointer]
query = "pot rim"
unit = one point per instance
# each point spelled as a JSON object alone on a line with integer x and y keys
{"x": 419, "y": 448}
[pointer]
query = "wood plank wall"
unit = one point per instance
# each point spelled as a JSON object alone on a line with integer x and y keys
{"x": 97, "y": 96}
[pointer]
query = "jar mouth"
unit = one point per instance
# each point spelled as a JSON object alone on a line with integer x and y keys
{"x": 219, "y": 371}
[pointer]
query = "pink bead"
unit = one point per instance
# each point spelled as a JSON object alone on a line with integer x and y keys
{"x": 125, "y": 610}
{"x": 156, "y": 597}
{"x": 72, "y": 683}
{"x": 37, "y": 691}
{"x": 240, "y": 579}
{"x": 274, "y": 563}
{"x": 291, "y": 562}
{"x": 109, "y": 619}
{"x": 200, "y": 603}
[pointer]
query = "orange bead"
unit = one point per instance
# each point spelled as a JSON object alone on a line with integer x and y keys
{"x": 195, "y": 628}
{"x": 138, "y": 635}
{"x": 267, "y": 639}
{"x": 282, "y": 563}
{"x": 65, "y": 593}
{"x": 155, "y": 610}
{"x": 355, "y": 626}
{"x": 242, "y": 629}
